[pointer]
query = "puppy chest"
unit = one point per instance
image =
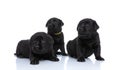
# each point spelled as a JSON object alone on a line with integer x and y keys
{"x": 58, "y": 39}
{"x": 89, "y": 44}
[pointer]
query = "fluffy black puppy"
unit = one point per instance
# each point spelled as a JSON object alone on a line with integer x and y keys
{"x": 40, "y": 46}
{"x": 54, "y": 26}
{"x": 87, "y": 42}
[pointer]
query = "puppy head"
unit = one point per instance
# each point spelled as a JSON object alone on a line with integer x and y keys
{"x": 87, "y": 27}
{"x": 41, "y": 41}
{"x": 37, "y": 44}
{"x": 54, "y": 25}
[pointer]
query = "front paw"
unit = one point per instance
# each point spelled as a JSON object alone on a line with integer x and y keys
{"x": 54, "y": 59}
{"x": 34, "y": 62}
{"x": 81, "y": 59}
{"x": 100, "y": 58}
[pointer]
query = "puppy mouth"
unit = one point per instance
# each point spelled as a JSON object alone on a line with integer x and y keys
{"x": 38, "y": 51}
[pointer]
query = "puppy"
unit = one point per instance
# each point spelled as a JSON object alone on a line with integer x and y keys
{"x": 40, "y": 46}
{"x": 54, "y": 27}
{"x": 87, "y": 42}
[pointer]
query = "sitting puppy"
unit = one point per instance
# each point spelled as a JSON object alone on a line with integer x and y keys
{"x": 40, "y": 46}
{"x": 54, "y": 26}
{"x": 87, "y": 42}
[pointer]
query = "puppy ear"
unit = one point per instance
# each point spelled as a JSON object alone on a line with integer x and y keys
{"x": 79, "y": 25}
{"x": 48, "y": 22}
{"x": 61, "y": 22}
{"x": 95, "y": 25}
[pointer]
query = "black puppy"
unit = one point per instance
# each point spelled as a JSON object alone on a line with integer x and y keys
{"x": 87, "y": 42}
{"x": 40, "y": 46}
{"x": 54, "y": 26}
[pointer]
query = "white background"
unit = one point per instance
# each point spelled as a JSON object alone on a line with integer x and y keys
{"x": 19, "y": 19}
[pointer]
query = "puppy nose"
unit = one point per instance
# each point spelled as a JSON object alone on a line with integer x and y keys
{"x": 86, "y": 29}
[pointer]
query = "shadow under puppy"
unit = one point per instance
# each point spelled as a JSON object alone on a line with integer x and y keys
{"x": 40, "y": 46}
{"x": 87, "y": 42}
{"x": 54, "y": 27}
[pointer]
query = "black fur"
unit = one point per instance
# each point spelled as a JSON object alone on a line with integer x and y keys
{"x": 54, "y": 26}
{"x": 40, "y": 46}
{"x": 87, "y": 42}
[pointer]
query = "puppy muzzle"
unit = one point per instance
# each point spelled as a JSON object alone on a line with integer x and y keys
{"x": 36, "y": 50}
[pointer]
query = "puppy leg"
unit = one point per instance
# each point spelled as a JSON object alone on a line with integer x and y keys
{"x": 18, "y": 52}
{"x": 33, "y": 60}
{"x": 56, "y": 47}
{"x": 80, "y": 56}
{"x": 88, "y": 52}
{"x": 53, "y": 56}
{"x": 97, "y": 51}
{"x": 71, "y": 49}
{"x": 62, "y": 49}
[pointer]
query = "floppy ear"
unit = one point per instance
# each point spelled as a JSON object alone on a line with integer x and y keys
{"x": 78, "y": 27}
{"x": 48, "y": 22}
{"x": 61, "y": 22}
{"x": 95, "y": 25}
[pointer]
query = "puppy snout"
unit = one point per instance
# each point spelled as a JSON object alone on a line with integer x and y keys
{"x": 38, "y": 47}
{"x": 83, "y": 29}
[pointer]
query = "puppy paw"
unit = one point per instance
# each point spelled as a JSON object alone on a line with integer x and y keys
{"x": 34, "y": 62}
{"x": 100, "y": 58}
{"x": 54, "y": 59}
{"x": 20, "y": 56}
{"x": 81, "y": 59}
